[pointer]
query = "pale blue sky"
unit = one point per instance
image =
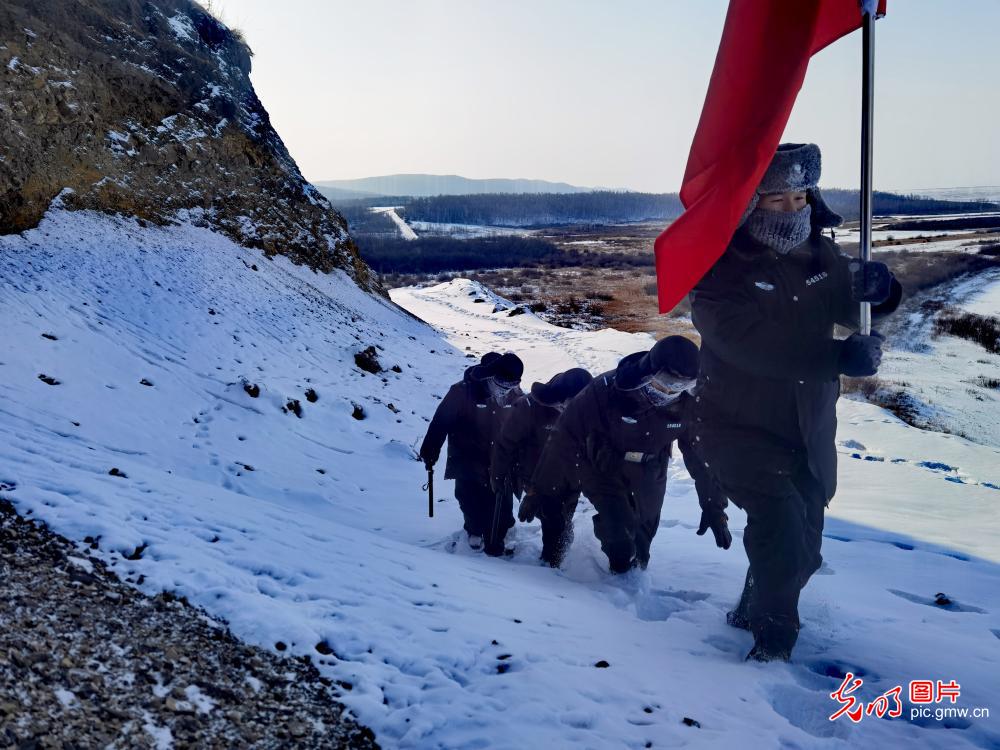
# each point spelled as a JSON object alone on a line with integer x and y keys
{"x": 602, "y": 93}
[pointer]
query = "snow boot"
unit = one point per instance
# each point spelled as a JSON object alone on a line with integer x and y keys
{"x": 764, "y": 654}
{"x": 475, "y": 542}
{"x": 774, "y": 638}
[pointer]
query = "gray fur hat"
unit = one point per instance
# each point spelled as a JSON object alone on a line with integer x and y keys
{"x": 797, "y": 166}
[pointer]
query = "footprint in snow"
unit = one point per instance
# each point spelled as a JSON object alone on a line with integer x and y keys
{"x": 837, "y": 670}
{"x": 825, "y": 570}
{"x": 939, "y": 601}
{"x": 726, "y": 644}
{"x": 808, "y": 710}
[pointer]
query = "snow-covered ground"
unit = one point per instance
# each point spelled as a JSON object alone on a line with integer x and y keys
{"x": 950, "y": 377}
{"x": 404, "y": 229}
{"x": 985, "y": 301}
{"x": 467, "y": 231}
{"x": 310, "y": 534}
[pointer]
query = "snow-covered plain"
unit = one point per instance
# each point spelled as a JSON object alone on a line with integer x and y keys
{"x": 312, "y": 531}
{"x": 951, "y": 378}
{"x": 466, "y": 231}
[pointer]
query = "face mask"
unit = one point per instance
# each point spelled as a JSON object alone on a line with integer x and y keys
{"x": 658, "y": 397}
{"x": 781, "y": 231}
{"x": 499, "y": 387}
{"x": 670, "y": 384}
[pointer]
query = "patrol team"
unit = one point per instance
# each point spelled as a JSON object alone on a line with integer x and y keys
{"x": 753, "y": 412}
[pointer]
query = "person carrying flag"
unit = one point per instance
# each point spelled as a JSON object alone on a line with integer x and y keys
{"x": 765, "y": 401}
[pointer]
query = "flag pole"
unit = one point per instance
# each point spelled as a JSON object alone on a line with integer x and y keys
{"x": 867, "y": 92}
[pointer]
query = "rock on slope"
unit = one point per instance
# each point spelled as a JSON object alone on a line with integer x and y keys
{"x": 91, "y": 662}
{"x": 145, "y": 107}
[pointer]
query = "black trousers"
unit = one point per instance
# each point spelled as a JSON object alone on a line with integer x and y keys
{"x": 784, "y": 534}
{"x": 557, "y": 527}
{"x": 625, "y": 525}
{"x": 484, "y": 511}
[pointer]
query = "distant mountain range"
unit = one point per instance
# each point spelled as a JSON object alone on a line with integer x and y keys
{"x": 425, "y": 185}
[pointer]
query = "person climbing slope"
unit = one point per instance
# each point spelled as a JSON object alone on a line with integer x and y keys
{"x": 614, "y": 441}
{"x": 518, "y": 448}
{"x": 765, "y": 411}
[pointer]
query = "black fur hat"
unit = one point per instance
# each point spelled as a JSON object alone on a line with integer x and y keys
{"x": 561, "y": 387}
{"x": 508, "y": 368}
{"x": 675, "y": 354}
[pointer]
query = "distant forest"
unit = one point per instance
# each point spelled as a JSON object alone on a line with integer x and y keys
{"x": 433, "y": 254}
{"x": 386, "y": 255}
{"x": 611, "y": 207}
{"x": 847, "y": 204}
{"x": 544, "y": 209}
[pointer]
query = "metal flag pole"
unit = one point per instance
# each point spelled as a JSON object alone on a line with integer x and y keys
{"x": 867, "y": 96}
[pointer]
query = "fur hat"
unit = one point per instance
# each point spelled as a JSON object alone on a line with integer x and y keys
{"x": 507, "y": 368}
{"x": 489, "y": 358}
{"x": 797, "y": 166}
{"x": 561, "y": 387}
{"x": 676, "y": 355}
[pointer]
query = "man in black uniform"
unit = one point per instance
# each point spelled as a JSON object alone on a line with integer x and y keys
{"x": 466, "y": 417}
{"x": 613, "y": 441}
{"x": 518, "y": 448}
{"x": 765, "y": 417}
{"x": 504, "y": 387}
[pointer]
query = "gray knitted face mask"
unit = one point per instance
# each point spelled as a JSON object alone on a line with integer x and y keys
{"x": 780, "y": 230}
{"x": 658, "y": 397}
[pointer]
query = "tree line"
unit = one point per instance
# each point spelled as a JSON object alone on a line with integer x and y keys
{"x": 611, "y": 207}
{"x": 544, "y": 209}
{"x": 387, "y": 255}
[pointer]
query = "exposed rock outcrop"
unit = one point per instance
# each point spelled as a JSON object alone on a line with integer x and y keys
{"x": 145, "y": 107}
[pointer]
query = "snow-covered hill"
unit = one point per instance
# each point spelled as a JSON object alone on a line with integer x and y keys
{"x": 309, "y": 534}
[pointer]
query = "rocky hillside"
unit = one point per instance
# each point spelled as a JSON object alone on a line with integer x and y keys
{"x": 145, "y": 107}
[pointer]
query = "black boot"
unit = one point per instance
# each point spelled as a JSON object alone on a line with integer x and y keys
{"x": 740, "y": 616}
{"x": 774, "y": 639}
{"x": 763, "y": 654}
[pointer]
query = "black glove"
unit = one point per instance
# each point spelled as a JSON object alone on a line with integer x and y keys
{"x": 861, "y": 355}
{"x": 718, "y": 522}
{"x": 601, "y": 455}
{"x": 530, "y": 508}
{"x": 871, "y": 281}
{"x": 428, "y": 462}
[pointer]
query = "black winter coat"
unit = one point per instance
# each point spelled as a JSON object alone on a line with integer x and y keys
{"x": 469, "y": 417}
{"x": 626, "y": 422}
{"x": 769, "y": 381}
{"x": 523, "y": 434}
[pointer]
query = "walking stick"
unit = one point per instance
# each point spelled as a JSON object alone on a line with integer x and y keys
{"x": 498, "y": 498}
{"x": 430, "y": 493}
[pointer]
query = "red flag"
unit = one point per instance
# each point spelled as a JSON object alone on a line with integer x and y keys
{"x": 759, "y": 69}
